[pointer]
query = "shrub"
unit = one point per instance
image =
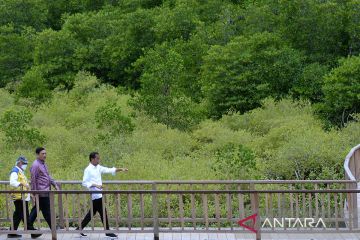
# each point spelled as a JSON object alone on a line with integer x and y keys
{"x": 17, "y": 132}
{"x": 111, "y": 119}
{"x": 234, "y": 162}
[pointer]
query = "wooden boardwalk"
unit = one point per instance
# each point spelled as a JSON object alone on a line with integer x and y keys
{"x": 203, "y": 236}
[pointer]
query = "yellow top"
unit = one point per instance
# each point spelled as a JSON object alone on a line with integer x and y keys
{"x": 21, "y": 178}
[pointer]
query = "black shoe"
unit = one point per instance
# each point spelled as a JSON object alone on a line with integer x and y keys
{"x": 35, "y": 235}
{"x": 81, "y": 234}
{"x": 14, "y": 236}
{"x": 113, "y": 235}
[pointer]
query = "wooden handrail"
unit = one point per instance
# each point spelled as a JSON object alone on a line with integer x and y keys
{"x": 59, "y": 192}
{"x": 351, "y": 164}
{"x": 208, "y": 182}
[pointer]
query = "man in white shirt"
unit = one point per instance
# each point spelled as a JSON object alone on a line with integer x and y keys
{"x": 18, "y": 182}
{"x": 92, "y": 180}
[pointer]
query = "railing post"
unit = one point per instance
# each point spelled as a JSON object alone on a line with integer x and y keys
{"x": 24, "y": 211}
{"x": 61, "y": 209}
{"x": 255, "y": 209}
{"x": 53, "y": 216}
{"x": 356, "y": 157}
{"x": 155, "y": 212}
{"x": 354, "y": 206}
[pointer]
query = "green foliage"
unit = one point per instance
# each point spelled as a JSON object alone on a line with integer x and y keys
{"x": 353, "y": 27}
{"x": 309, "y": 84}
{"x": 259, "y": 18}
{"x": 240, "y": 74}
{"x": 54, "y": 56}
{"x": 132, "y": 5}
{"x": 91, "y": 30}
{"x": 283, "y": 138}
{"x": 316, "y": 27}
{"x": 17, "y": 132}
{"x": 162, "y": 95}
{"x": 16, "y": 53}
{"x": 258, "y": 49}
{"x": 234, "y": 162}
{"x": 22, "y": 13}
{"x": 89, "y": 26}
{"x": 110, "y": 117}
{"x": 34, "y": 87}
{"x": 58, "y": 9}
{"x": 84, "y": 84}
{"x": 110, "y": 41}
{"x": 351, "y": 133}
{"x": 272, "y": 115}
{"x": 177, "y": 22}
{"x": 132, "y": 35}
{"x": 303, "y": 152}
{"x": 228, "y": 24}
{"x": 6, "y": 99}
{"x": 191, "y": 53}
{"x": 341, "y": 92}
{"x": 211, "y": 11}
{"x": 290, "y": 143}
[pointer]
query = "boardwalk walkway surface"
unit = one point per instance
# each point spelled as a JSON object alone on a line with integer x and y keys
{"x": 202, "y": 236}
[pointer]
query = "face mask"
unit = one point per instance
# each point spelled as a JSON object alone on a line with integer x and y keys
{"x": 24, "y": 167}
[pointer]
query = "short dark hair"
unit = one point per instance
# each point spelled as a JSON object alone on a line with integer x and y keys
{"x": 39, "y": 149}
{"x": 93, "y": 155}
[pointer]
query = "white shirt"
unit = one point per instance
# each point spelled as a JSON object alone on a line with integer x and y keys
{"x": 15, "y": 183}
{"x": 92, "y": 175}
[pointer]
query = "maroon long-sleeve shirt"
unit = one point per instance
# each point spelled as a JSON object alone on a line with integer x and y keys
{"x": 40, "y": 177}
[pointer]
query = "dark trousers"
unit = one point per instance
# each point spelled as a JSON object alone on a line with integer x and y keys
{"x": 97, "y": 207}
{"x": 44, "y": 205}
{"x": 18, "y": 215}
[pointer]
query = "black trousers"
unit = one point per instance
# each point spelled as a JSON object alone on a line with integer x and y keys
{"x": 97, "y": 207}
{"x": 44, "y": 205}
{"x": 18, "y": 215}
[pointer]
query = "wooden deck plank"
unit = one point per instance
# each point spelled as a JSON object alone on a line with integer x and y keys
{"x": 132, "y": 236}
{"x": 202, "y": 236}
{"x": 195, "y": 236}
{"x": 176, "y": 236}
{"x": 166, "y": 236}
{"x": 230, "y": 236}
{"x": 222, "y": 236}
{"x": 93, "y": 236}
{"x": 120, "y": 237}
{"x": 185, "y": 236}
{"x": 213, "y": 236}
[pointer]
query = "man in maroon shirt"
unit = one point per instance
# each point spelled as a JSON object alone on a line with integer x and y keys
{"x": 41, "y": 180}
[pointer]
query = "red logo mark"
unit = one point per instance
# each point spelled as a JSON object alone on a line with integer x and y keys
{"x": 253, "y": 218}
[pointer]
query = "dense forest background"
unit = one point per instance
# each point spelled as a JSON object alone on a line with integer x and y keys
{"x": 181, "y": 89}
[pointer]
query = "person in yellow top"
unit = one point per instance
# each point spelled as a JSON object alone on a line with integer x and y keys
{"x": 18, "y": 181}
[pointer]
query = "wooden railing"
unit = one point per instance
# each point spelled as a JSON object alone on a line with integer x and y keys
{"x": 352, "y": 164}
{"x": 352, "y": 172}
{"x": 198, "y": 206}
